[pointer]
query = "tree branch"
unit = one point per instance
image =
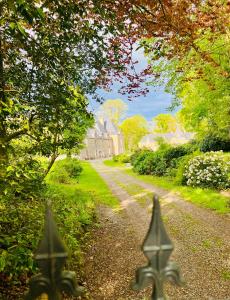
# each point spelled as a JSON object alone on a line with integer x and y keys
{"x": 16, "y": 134}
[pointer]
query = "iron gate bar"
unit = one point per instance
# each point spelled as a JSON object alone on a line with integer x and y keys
{"x": 51, "y": 256}
{"x": 157, "y": 248}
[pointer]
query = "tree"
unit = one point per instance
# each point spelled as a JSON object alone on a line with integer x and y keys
{"x": 114, "y": 109}
{"x": 165, "y": 123}
{"x": 48, "y": 51}
{"x": 201, "y": 88}
{"x": 52, "y": 54}
{"x": 133, "y": 129}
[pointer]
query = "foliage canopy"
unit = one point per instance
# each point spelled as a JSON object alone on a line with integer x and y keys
{"x": 133, "y": 129}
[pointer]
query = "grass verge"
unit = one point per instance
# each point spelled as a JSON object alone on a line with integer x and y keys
{"x": 90, "y": 181}
{"x": 203, "y": 197}
{"x": 111, "y": 163}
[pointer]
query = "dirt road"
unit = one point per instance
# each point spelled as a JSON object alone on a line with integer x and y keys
{"x": 201, "y": 238}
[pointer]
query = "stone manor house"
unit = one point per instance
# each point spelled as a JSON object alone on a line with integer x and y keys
{"x": 103, "y": 140}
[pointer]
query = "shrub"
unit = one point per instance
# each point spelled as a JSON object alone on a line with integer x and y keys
{"x": 178, "y": 151}
{"x": 159, "y": 164}
{"x": 21, "y": 216}
{"x": 208, "y": 170}
{"x": 115, "y": 158}
{"x": 214, "y": 143}
{"x": 139, "y": 156}
{"x": 22, "y": 219}
{"x": 65, "y": 169}
{"x": 20, "y": 223}
{"x": 164, "y": 161}
{"x": 136, "y": 154}
{"x": 173, "y": 157}
{"x": 22, "y": 178}
{"x": 122, "y": 158}
{"x": 182, "y": 162}
{"x": 149, "y": 162}
{"x": 143, "y": 163}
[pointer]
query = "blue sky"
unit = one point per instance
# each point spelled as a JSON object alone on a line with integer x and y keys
{"x": 154, "y": 103}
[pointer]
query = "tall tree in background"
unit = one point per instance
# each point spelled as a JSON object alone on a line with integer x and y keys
{"x": 133, "y": 129}
{"x": 165, "y": 123}
{"x": 188, "y": 47}
{"x": 114, "y": 109}
{"x": 201, "y": 88}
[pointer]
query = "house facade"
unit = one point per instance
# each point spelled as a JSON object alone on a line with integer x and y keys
{"x": 102, "y": 141}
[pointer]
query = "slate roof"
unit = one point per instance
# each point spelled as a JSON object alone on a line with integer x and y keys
{"x": 102, "y": 129}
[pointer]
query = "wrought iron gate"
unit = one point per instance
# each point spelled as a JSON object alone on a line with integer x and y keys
{"x": 51, "y": 256}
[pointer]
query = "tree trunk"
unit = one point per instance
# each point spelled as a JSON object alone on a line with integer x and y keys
{"x": 53, "y": 158}
{"x": 3, "y": 145}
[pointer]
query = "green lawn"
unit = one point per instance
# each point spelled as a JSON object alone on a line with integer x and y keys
{"x": 90, "y": 181}
{"x": 203, "y": 197}
{"x": 111, "y": 163}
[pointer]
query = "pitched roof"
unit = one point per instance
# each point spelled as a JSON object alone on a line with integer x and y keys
{"x": 102, "y": 128}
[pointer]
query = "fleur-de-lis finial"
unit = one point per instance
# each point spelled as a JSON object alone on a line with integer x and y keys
{"x": 157, "y": 247}
{"x": 51, "y": 256}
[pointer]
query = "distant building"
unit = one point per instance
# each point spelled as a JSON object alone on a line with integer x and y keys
{"x": 176, "y": 138}
{"x": 102, "y": 141}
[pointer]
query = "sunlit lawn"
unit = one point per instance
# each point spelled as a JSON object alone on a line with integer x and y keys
{"x": 90, "y": 183}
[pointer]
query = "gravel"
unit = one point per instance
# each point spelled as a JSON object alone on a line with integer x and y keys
{"x": 201, "y": 239}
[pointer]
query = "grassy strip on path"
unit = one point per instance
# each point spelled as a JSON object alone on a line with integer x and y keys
{"x": 111, "y": 163}
{"x": 207, "y": 198}
{"x": 203, "y": 197}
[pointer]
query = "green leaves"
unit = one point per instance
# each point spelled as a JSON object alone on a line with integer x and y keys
{"x": 20, "y": 27}
{"x": 200, "y": 83}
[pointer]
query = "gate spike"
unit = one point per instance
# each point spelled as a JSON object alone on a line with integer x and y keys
{"x": 51, "y": 256}
{"x": 157, "y": 248}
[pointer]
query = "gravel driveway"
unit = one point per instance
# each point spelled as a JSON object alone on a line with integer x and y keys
{"x": 201, "y": 238}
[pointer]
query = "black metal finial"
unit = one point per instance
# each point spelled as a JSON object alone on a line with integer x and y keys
{"x": 157, "y": 247}
{"x": 51, "y": 256}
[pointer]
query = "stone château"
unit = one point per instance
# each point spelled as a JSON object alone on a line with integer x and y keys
{"x": 102, "y": 141}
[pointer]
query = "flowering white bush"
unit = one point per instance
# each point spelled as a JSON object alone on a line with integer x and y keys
{"x": 208, "y": 170}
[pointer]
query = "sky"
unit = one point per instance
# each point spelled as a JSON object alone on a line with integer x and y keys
{"x": 155, "y": 102}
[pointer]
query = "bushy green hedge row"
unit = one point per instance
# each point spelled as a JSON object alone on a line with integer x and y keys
{"x": 22, "y": 217}
{"x": 184, "y": 165}
{"x": 160, "y": 162}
